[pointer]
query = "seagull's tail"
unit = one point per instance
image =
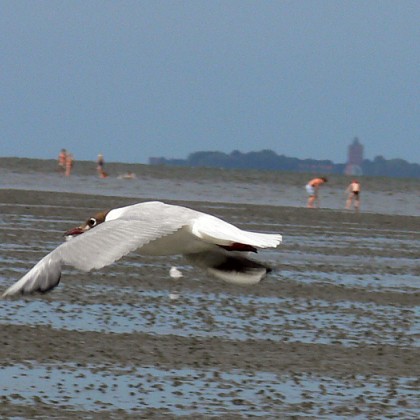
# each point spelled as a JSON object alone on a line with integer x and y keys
{"x": 230, "y": 267}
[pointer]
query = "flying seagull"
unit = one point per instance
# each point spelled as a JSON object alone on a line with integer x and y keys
{"x": 157, "y": 229}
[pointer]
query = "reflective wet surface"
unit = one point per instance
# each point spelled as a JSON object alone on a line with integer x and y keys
{"x": 332, "y": 332}
{"x": 199, "y": 391}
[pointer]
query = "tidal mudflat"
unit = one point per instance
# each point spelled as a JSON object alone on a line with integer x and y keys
{"x": 334, "y": 330}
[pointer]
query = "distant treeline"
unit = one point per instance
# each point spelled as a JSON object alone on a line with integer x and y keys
{"x": 269, "y": 160}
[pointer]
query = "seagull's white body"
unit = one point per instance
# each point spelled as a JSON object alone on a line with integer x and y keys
{"x": 154, "y": 228}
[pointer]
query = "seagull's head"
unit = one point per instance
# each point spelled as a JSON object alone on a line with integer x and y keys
{"x": 90, "y": 223}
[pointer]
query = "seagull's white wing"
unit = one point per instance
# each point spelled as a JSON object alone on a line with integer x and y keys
{"x": 44, "y": 276}
{"x": 97, "y": 248}
{"x": 217, "y": 231}
{"x": 110, "y": 241}
{"x": 209, "y": 228}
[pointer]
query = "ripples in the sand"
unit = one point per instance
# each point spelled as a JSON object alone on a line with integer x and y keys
{"x": 223, "y": 316}
{"x": 199, "y": 391}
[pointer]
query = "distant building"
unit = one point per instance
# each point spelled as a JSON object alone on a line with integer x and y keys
{"x": 354, "y": 158}
{"x": 355, "y": 154}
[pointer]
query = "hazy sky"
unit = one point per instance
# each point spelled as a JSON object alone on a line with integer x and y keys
{"x": 136, "y": 79}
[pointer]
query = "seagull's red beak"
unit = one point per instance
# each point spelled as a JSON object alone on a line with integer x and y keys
{"x": 75, "y": 231}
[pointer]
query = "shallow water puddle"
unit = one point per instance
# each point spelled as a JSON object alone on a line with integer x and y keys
{"x": 220, "y": 315}
{"x": 188, "y": 391}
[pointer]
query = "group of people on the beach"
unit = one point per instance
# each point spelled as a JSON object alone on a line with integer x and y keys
{"x": 353, "y": 193}
{"x": 65, "y": 161}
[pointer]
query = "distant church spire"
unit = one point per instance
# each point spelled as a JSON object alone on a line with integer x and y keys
{"x": 354, "y": 158}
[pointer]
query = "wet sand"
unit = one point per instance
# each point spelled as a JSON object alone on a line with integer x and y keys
{"x": 338, "y": 318}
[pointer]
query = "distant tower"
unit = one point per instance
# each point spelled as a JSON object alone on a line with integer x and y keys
{"x": 354, "y": 158}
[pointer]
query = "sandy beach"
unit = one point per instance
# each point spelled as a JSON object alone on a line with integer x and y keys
{"x": 333, "y": 331}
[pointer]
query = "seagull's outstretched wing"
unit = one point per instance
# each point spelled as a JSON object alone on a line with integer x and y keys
{"x": 95, "y": 249}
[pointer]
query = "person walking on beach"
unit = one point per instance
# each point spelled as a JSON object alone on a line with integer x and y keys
{"x": 69, "y": 163}
{"x": 100, "y": 166}
{"x": 62, "y": 160}
{"x": 353, "y": 191}
{"x": 312, "y": 188}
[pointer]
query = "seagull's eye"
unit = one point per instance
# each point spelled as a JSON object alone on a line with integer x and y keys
{"x": 92, "y": 222}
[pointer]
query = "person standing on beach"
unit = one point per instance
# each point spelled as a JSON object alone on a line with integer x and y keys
{"x": 312, "y": 188}
{"x": 100, "y": 166}
{"x": 353, "y": 191}
{"x": 62, "y": 160}
{"x": 69, "y": 163}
